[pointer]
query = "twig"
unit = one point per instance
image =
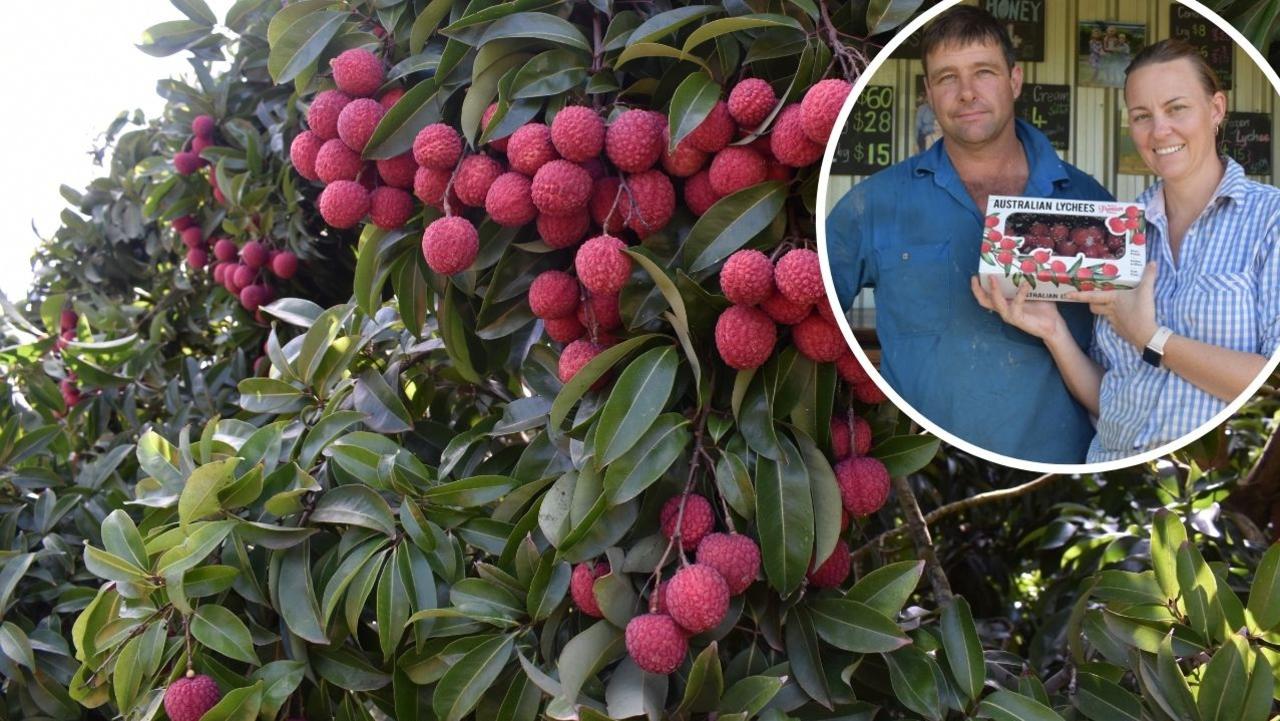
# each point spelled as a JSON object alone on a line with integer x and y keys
{"x": 920, "y": 535}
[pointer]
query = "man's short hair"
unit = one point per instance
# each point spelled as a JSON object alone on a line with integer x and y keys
{"x": 964, "y": 25}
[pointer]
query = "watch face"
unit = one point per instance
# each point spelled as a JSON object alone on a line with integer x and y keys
{"x": 1152, "y": 356}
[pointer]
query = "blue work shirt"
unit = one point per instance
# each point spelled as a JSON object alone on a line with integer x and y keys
{"x": 912, "y": 232}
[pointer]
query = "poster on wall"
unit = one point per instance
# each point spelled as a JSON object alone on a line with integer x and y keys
{"x": 1104, "y": 49}
{"x": 1024, "y": 19}
{"x": 1216, "y": 46}
{"x": 1048, "y": 107}
{"x": 866, "y": 143}
{"x": 1246, "y": 137}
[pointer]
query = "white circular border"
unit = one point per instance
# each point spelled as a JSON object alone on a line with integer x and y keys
{"x": 822, "y": 212}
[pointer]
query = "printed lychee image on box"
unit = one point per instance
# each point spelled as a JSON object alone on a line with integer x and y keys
{"x": 1058, "y": 246}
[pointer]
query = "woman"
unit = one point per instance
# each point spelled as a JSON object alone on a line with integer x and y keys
{"x": 1208, "y": 305}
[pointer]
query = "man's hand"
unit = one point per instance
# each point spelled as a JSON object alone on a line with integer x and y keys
{"x": 1131, "y": 314}
{"x": 1037, "y": 317}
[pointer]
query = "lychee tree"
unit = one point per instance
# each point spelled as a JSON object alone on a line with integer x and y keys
{"x": 472, "y": 360}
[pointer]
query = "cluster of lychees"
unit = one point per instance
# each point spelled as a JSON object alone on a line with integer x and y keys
{"x": 189, "y": 161}
{"x": 244, "y": 271}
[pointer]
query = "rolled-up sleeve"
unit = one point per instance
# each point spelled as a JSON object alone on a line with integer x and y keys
{"x": 847, "y": 248}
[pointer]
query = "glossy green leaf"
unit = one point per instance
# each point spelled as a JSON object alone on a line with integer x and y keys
{"x": 461, "y": 687}
{"x": 653, "y": 455}
{"x": 224, "y": 632}
{"x": 691, "y": 103}
{"x": 1167, "y": 535}
{"x": 301, "y": 44}
{"x": 356, "y": 506}
{"x": 199, "y": 497}
{"x": 964, "y": 651}
{"x": 855, "y": 627}
{"x": 1104, "y": 700}
{"x": 904, "y": 455}
{"x": 586, "y": 654}
{"x": 716, "y": 28}
{"x": 1220, "y": 696}
{"x": 804, "y": 653}
{"x": 1264, "y": 593}
{"x": 731, "y": 222}
{"x": 784, "y": 517}
{"x": 239, "y": 704}
{"x": 1009, "y": 706}
{"x": 637, "y": 398}
{"x": 914, "y": 675}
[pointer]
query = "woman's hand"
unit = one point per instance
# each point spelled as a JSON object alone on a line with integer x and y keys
{"x": 1131, "y": 314}
{"x": 1037, "y": 317}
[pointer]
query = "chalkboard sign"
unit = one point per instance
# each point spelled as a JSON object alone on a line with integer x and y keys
{"x": 1215, "y": 45}
{"x": 1048, "y": 107}
{"x": 866, "y": 144}
{"x": 1246, "y": 137}
{"x": 1024, "y": 19}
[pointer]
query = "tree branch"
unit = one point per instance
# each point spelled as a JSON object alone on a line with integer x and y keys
{"x": 919, "y": 530}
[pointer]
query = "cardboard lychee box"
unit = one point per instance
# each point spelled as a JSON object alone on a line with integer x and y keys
{"x": 1057, "y": 246}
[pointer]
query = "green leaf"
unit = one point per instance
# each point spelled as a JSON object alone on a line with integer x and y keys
{"x": 199, "y": 497}
{"x": 691, "y": 103}
{"x": 1262, "y": 685}
{"x": 964, "y": 652}
{"x": 347, "y": 669}
{"x": 550, "y": 584}
{"x": 301, "y": 44}
{"x": 666, "y": 23}
{"x": 15, "y": 644}
{"x": 536, "y": 26}
{"x": 268, "y": 395}
{"x": 706, "y": 682}
{"x": 121, "y": 538}
{"x": 356, "y": 506}
{"x": 856, "y": 627}
{"x": 1264, "y": 594}
{"x": 914, "y": 675}
{"x": 393, "y": 603}
{"x": 241, "y": 704}
{"x": 784, "y": 517}
{"x": 734, "y": 484}
{"x": 827, "y": 505}
{"x": 652, "y": 455}
{"x": 633, "y": 692}
{"x": 551, "y": 73}
{"x": 170, "y": 37}
{"x": 1128, "y": 588}
{"x": 296, "y": 593}
{"x": 585, "y": 654}
{"x": 470, "y": 492}
{"x": 637, "y": 398}
{"x": 589, "y": 374}
{"x": 197, "y": 10}
{"x": 1009, "y": 706}
{"x": 805, "y": 655}
{"x": 750, "y": 695}
{"x": 886, "y": 589}
{"x": 731, "y": 222}
{"x": 904, "y": 455}
{"x": 418, "y": 108}
{"x": 1103, "y": 700}
{"x": 383, "y": 410}
{"x": 1167, "y": 535}
{"x": 716, "y": 28}
{"x": 224, "y": 632}
{"x": 461, "y": 687}
{"x": 885, "y": 15}
{"x": 1220, "y": 697}
{"x": 279, "y": 680}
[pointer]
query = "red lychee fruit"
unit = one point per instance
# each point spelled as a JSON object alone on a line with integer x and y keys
{"x": 747, "y": 277}
{"x": 698, "y": 193}
{"x": 193, "y": 238}
{"x": 302, "y": 153}
{"x": 841, "y": 447}
{"x": 343, "y": 203}
{"x": 284, "y": 265}
{"x": 498, "y": 144}
{"x": 203, "y": 126}
{"x": 254, "y": 254}
{"x": 429, "y": 186}
{"x": 357, "y": 122}
{"x": 510, "y": 200}
{"x": 697, "y": 598}
{"x": 818, "y": 339}
{"x": 390, "y": 208}
{"x": 357, "y": 72}
{"x": 821, "y": 106}
{"x": 697, "y": 522}
{"x": 834, "y": 570}
{"x": 563, "y": 231}
{"x": 653, "y": 202}
{"x": 600, "y": 312}
{"x": 198, "y": 145}
{"x": 609, "y": 205}
{"x": 254, "y": 296}
{"x": 656, "y": 643}
{"x": 574, "y": 356}
{"x": 67, "y": 320}
{"x": 736, "y": 167}
{"x": 530, "y": 148}
{"x": 186, "y": 163}
{"x": 799, "y": 276}
{"x": 564, "y": 330}
{"x": 745, "y": 337}
{"x": 715, "y": 131}
{"x": 335, "y": 161}
{"x": 602, "y": 265}
{"x": 182, "y": 222}
{"x": 634, "y": 141}
{"x": 784, "y": 310}
{"x": 244, "y": 276}
{"x": 69, "y": 391}
{"x": 475, "y": 174}
{"x": 197, "y": 258}
{"x": 225, "y": 249}
{"x": 188, "y": 698}
{"x": 398, "y": 171}
{"x": 560, "y": 187}
{"x": 788, "y": 141}
{"x": 577, "y": 133}
{"x": 389, "y": 99}
{"x": 684, "y": 161}
{"x": 751, "y": 101}
{"x": 864, "y": 484}
{"x": 322, "y": 116}
{"x": 582, "y": 584}
{"x": 734, "y": 556}
{"x": 553, "y": 294}
{"x": 437, "y": 146}
{"x": 450, "y": 244}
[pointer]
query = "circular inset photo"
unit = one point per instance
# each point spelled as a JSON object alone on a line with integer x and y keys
{"x": 1053, "y": 235}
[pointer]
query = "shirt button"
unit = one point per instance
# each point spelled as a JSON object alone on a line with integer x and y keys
{"x": 906, "y": 256}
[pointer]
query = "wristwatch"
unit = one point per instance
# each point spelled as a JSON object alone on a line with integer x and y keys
{"x": 1154, "y": 352}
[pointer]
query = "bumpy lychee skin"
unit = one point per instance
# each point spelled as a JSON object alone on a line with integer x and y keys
{"x": 199, "y": 144}
{"x": 498, "y": 144}
{"x": 734, "y": 556}
{"x": 574, "y": 356}
{"x": 450, "y": 244}
{"x": 850, "y": 370}
{"x": 842, "y": 444}
{"x": 225, "y": 249}
{"x": 609, "y": 206}
{"x": 475, "y": 174}
{"x": 784, "y": 310}
{"x": 747, "y": 277}
{"x": 582, "y": 587}
{"x": 437, "y": 146}
{"x": 577, "y": 133}
{"x": 788, "y": 141}
{"x": 186, "y": 163}
{"x": 656, "y": 643}
{"x": 735, "y": 168}
{"x": 715, "y": 131}
{"x": 600, "y": 312}
{"x": 182, "y": 222}
{"x": 253, "y": 297}
{"x": 553, "y": 294}
{"x": 697, "y": 523}
{"x": 284, "y": 265}
{"x": 322, "y": 116}
{"x": 653, "y": 202}
{"x": 864, "y": 484}
{"x": 254, "y": 254}
{"x": 560, "y": 187}
{"x": 564, "y": 330}
{"x": 602, "y": 266}
{"x": 510, "y": 201}
{"x": 197, "y": 258}
{"x": 244, "y": 276}
{"x": 698, "y": 193}
{"x": 335, "y": 161}
{"x": 530, "y": 148}
{"x": 193, "y": 238}
{"x": 357, "y": 121}
{"x": 684, "y": 161}
{"x": 343, "y": 203}
{"x": 818, "y": 339}
{"x": 302, "y": 153}
{"x": 398, "y": 171}
{"x": 357, "y": 72}
{"x": 390, "y": 208}
{"x": 634, "y": 141}
{"x": 389, "y": 99}
{"x": 203, "y": 126}
{"x": 799, "y": 276}
{"x": 188, "y": 698}
{"x": 697, "y": 598}
{"x": 563, "y": 231}
{"x": 750, "y": 102}
{"x": 745, "y": 337}
{"x": 821, "y": 105}
{"x": 429, "y": 186}
{"x": 834, "y": 570}
{"x": 868, "y": 392}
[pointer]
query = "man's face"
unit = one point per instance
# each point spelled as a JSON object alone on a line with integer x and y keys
{"x": 972, "y": 89}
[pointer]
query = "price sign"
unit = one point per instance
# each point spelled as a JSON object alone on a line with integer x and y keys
{"x": 1024, "y": 19}
{"x": 1246, "y": 137}
{"x": 866, "y": 143}
{"x": 1048, "y": 107}
{"x": 1216, "y": 46}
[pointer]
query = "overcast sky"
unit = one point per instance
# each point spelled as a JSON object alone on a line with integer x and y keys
{"x": 68, "y": 68}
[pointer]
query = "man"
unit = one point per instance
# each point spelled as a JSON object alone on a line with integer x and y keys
{"x": 912, "y": 232}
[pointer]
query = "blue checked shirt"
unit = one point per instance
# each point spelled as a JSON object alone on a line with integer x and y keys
{"x": 1223, "y": 290}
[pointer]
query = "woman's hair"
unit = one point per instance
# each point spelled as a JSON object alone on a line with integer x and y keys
{"x": 1172, "y": 49}
{"x": 965, "y": 25}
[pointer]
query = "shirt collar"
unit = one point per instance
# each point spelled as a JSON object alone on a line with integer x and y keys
{"x": 1233, "y": 186}
{"x": 1044, "y": 166}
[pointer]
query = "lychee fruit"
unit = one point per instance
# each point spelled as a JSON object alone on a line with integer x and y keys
{"x": 450, "y": 244}
{"x": 798, "y": 276}
{"x": 655, "y": 642}
{"x": 842, "y": 445}
{"x": 498, "y": 144}
{"x": 389, "y": 99}
{"x": 302, "y": 153}
{"x": 577, "y": 133}
{"x": 437, "y": 146}
{"x": 609, "y": 205}
{"x": 697, "y": 598}
{"x": 561, "y": 187}
{"x": 653, "y": 202}
{"x": 254, "y": 296}
{"x": 553, "y": 294}
{"x": 788, "y": 141}
{"x": 734, "y": 556}
{"x": 747, "y": 277}
{"x": 530, "y": 148}
{"x": 745, "y": 337}
{"x": 574, "y": 356}
{"x": 203, "y": 126}
{"x": 715, "y": 131}
{"x": 225, "y": 249}
{"x": 429, "y": 186}
{"x": 751, "y": 101}
{"x": 864, "y": 484}
{"x": 198, "y": 145}
{"x": 397, "y": 171}
{"x": 821, "y": 106}
{"x": 834, "y": 570}
{"x": 69, "y": 390}
{"x": 284, "y": 265}
{"x": 818, "y": 339}
{"x": 197, "y": 258}
{"x": 182, "y": 222}
{"x": 634, "y": 141}
{"x": 600, "y": 312}
{"x": 698, "y": 193}
{"x": 193, "y": 238}
{"x": 188, "y": 698}
{"x": 357, "y": 122}
{"x": 390, "y": 208}
{"x": 784, "y": 310}
{"x": 343, "y": 203}
{"x": 67, "y": 320}
{"x": 244, "y": 276}
{"x": 186, "y": 163}
{"x": 736, "y": 167}
{"x": 868, "y": 392}
{"x": 602, "y": 265}
{"x": 563, "y": 231}
{"x": 254, "y": 254}
{"x": 335, "y": 161}
{"x": 582, "y": 585}
{"x": 510, "y": 200}
{"x": 357, "y": 72}
{"x": 475, "y": 174}
{"x": 322, "y": 116}
{"x": 697, "y": 522}
{"x": 564, "y": 330}
{"x": 684, "y": 161}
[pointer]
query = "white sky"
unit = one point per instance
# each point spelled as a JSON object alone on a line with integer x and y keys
{"x": 68, "y": 68}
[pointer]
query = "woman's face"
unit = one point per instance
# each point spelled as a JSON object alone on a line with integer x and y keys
{"x": 1172, "y": 119}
